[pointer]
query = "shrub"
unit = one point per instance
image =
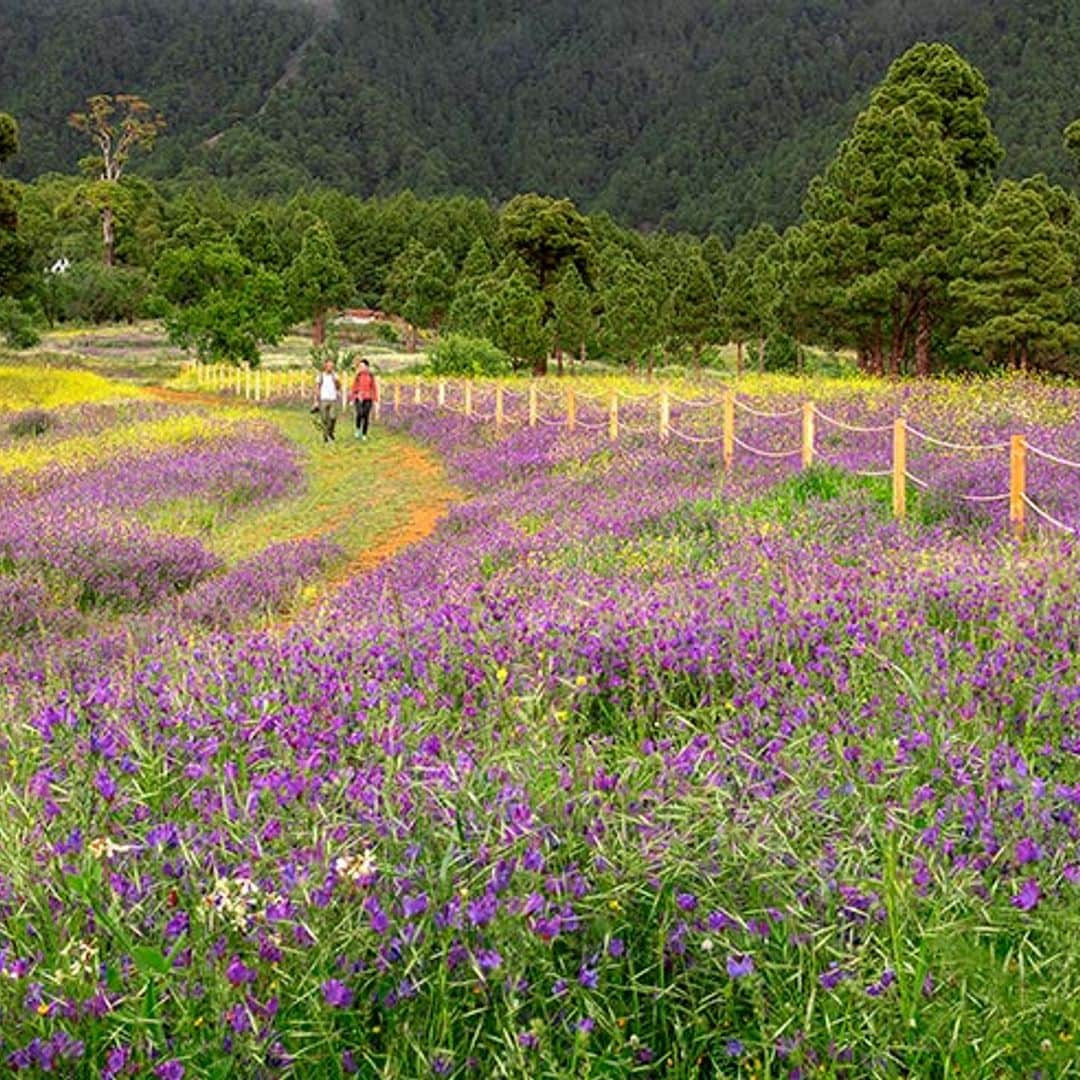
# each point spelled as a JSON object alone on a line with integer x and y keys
{"x": 387, "y": 332}
{"x": 91, "y": 293}
{"x": 29, "y": 423}
{"x": 781, "y": 353}
{"x": 16, "y": 325}
{"x": 456, "y": 354}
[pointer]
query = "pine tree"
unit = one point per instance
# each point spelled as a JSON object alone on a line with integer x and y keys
{"x": 317, "y": 280}
{"x": 430, "y": 291}
{"x": 692, "y": 308}
{"x": 13, "y": 252}
{"x": 737, "y": 307}
{"x": 571, "y": 313}
{"x": 516, "y": 321}
{"x": 1015, "y": 280}
{"x": 890, "y": 208}
{"x": 629, "y": 324}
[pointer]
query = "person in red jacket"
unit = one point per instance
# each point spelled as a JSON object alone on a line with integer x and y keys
{"x": 364, "y": 394}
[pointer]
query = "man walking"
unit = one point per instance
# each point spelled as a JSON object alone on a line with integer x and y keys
{"x": 327, "y": 391}
{"x": 364, "y": 394}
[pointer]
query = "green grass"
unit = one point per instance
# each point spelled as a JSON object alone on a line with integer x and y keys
{"x": 357, "y": 492}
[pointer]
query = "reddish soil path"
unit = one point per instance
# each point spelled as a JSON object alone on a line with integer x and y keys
{"x": 411, "y": 463}
{"x": 421, "y": 523}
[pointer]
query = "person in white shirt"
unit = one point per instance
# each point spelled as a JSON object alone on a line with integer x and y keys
{"x": 327, "y": 394}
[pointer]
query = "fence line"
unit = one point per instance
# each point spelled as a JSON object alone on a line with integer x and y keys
{"x": 628, "y": 414}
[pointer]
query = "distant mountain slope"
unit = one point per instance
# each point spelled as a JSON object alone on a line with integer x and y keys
{"x": 696, "y": 113}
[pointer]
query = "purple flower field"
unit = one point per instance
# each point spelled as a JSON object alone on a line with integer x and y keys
{"x": 634, "y": 768}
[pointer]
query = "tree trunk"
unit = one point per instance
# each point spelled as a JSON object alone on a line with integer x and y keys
{"x": 738, "y": 357}
{"x": 558, "y": 361}
{"x": 1023, "y": 356}
{"x": 697, "y": 356}
{"x": 896, "y": 345}
{"x": 922, "y": 338}
{"x": 877, "y": 360}
{"x": 318, "y": 328}
{"x": 761, "y": 355}
{"x": 649, "y": 365}
{"x": 108, "y": 236}
{"x": 540, "y": 366}
{"x": 581, "y": 354}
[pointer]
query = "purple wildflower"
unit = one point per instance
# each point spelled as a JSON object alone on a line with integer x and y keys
{"x": 738, "y": 966}
{"x": 337, "y": 994}
{"x": 1028, "y": 897}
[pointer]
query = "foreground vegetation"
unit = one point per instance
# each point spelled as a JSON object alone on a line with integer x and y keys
{"x": 633, "y": 768}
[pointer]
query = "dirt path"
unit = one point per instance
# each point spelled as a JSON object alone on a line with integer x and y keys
{"x": 401, "y": 481}
{"x": 421, "y": 523}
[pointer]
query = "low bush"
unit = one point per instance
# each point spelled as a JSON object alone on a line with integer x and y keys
{"x": 456, "y": 354}
{"x": 17, "y": 325}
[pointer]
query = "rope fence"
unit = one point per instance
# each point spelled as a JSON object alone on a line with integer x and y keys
{"x": 627, "y": 414}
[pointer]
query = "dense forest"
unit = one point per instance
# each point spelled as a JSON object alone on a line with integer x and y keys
{"x": 705, "y": 115}
{"x": 911, "y": 252}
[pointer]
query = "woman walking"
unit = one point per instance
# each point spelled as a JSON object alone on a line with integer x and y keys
{"x": 364, "y": 394}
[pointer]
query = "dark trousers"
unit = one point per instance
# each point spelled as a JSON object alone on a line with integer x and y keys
{"x": 363, "y": 415}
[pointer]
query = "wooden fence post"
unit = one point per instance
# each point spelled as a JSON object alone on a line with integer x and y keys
{"x": 258, "y": 385}
{"x": 418, "y": 391}
{"x": 807, "y": 434}
{"x": 571, "y": 409}
{"x": 498, "y": 406}
{"x": 613, "y": 418}
{"x": 247, "y": 382}
{"x": 468, "y": 398}
{"x": 899, "y": 468}
{"x": 665, "y": 416}
{"x": 532, "y": 405}
{"x": 442, "y": 393}
{"x": 1017, "y": 484}
{"x": 729, "y": 429}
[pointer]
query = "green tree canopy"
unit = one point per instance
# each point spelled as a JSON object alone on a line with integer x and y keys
{"x": 14, "y": 254}
{"x": 430, "y": 291}
{"x": 891, "y": 206}
{"x": 516, "y": 321}
{"x": 630, "y": 325}
{"x": 546, "y": 233}
{"x": 1014, "y": 280}
{"x": 220, "y": 304}
{"x": 257, "y": 238}
{"x": 692, "y": 307}
{"x": 317, "y": 281}
{"x": 572, "y": 316}
{"x": 116, "y": 126}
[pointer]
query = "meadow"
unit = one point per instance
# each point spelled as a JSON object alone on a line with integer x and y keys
{"x": 634, "y": 766}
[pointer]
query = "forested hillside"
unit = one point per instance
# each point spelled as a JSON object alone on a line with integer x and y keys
{"x": 704, "y": 114}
